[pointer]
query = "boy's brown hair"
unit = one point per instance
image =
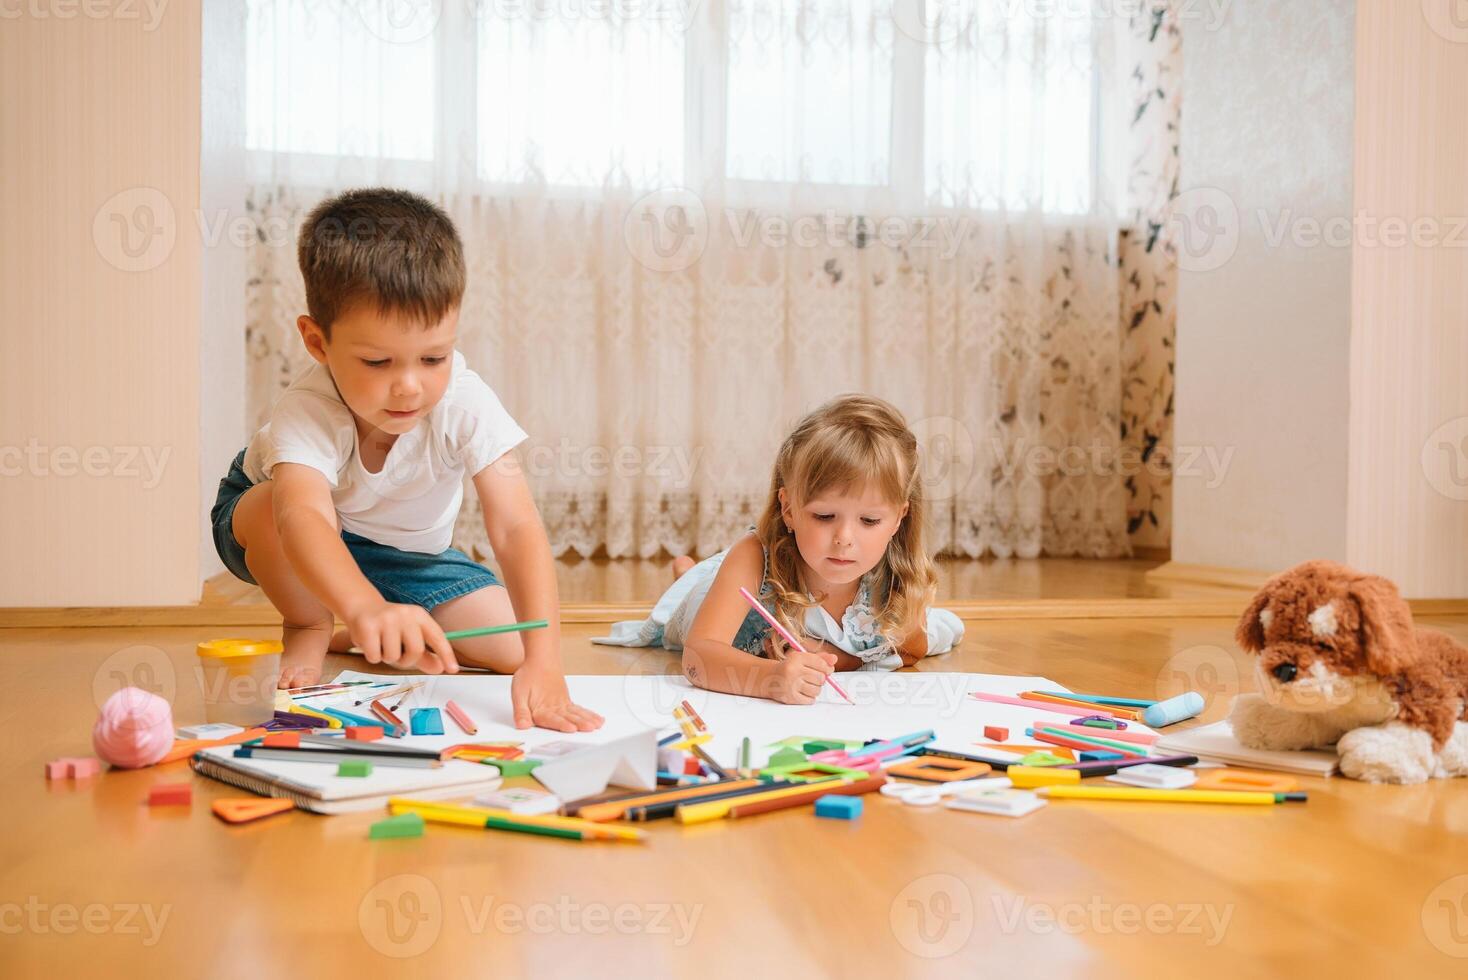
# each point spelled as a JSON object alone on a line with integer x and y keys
{"x": 391, "y": 248}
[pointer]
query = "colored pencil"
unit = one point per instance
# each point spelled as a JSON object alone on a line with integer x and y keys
{"x": 1083, "y": 735}
{"x": 1099, "y": 699}
{"x": 1167, "y": 795}
{"x": 1084, "y": 745}
{"x": 529, "y": 624}
{"x": 765, "y": 614}
{"x": 657, "y": 811}
{"x": 803, "y": 799}
{"x": 604, "y": 810}
{"x": 460, "y": 718}
{"x": 1139, "y": 738}
{"x": 703, "y": 811}
{"x": 1063, "y": 709}
{"x": 503, "y": 819}
{"x": 1091, "y": 708}
{"x": 333, "y": 756}
{"x": 1110, "y": 766}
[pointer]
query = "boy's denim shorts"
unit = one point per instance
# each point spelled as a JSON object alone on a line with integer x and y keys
{"x": 401, "y": 576}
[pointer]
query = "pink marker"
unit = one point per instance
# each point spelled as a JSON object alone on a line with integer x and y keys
{"x": 785, "y": 634}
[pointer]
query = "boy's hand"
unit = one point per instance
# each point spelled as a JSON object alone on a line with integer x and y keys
{"x": 539, "y": 697}
{"x": 798, "y": 678}
{"x": 404, "y": 636}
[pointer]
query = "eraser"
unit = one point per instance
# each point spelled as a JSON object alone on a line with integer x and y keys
{"x": 1097, "y": 755}
{"x": 400, "y": 826}
{"x": 212, "y": 730}
{"x": 282, "y": 740}
{"x": 530, "y": 802}
{"x": 1180, "y": 708}
{"x": 1027, "y": 777}
{"x": 994, "y": 733}
{"x": 354, "y": 767}
{"x": 73, "y": 767}
{"x": 426, "y": 721}
{"x": 1003, "y": 802}
{"x": 171, "y": 794}
{"x": 1154, "y": 776}
{"x": 363, "y": 733}
{"x": 839, "y": 807}
{"x": 510, "y": 768}
{"x": 553, "y": 750}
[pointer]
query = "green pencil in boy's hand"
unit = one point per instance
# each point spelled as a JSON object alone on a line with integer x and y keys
{"x": 531, "y": 624}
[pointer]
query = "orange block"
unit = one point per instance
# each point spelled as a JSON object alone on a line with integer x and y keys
{"x": 363, "y": 733}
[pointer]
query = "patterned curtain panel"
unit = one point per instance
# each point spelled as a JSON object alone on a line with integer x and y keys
{"x": 689, "y": 224}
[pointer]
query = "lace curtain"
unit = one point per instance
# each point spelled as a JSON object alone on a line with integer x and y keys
{"x": 687, "y": 224}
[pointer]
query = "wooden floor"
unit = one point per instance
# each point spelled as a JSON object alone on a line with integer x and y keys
{"x": 1361, "y": 881}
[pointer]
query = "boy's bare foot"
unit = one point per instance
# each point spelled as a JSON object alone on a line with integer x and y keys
{"x": 305, "y": 652}
{"x": 681, "y": 565}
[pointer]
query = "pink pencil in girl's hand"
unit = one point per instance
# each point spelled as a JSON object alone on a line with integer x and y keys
{"x": 785, "y": 634}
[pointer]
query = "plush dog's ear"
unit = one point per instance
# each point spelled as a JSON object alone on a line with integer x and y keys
{"x": 1386, "y": 625}
{"x": 1250, "y": 631}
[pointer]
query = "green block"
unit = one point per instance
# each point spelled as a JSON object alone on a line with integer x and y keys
{"x": 1043, "y": 759}
{"x": 786, "y": 757}
{"x": 402, "y": 825}
{"x": 812, "y": 748}
{"x": 510, "y": 768}
{"x": 354, "y": 767}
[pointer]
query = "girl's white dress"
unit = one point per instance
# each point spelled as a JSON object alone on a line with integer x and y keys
{"x": 856, "y": 633}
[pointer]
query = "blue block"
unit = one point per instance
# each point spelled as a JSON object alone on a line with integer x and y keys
{"x": 839, "y": 807}
{"x": 426, "y": 721}
{"x": 1098, "y": 755}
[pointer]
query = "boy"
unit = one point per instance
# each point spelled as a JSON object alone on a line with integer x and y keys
{"x": 344, "y": 503}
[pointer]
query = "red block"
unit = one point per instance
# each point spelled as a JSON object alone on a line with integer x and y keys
{"x": 171, "y": 794}
{"x": 363, "y": 733}
{"x": 691, "y": 767}
{"x": 283, "y": 740}
{"x": 996, "y": 734}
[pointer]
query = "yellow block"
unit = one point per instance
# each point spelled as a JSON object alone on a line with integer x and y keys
{"x": 1028, "y": 777}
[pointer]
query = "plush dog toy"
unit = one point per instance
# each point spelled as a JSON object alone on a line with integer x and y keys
{"x": 1340, "y": 663}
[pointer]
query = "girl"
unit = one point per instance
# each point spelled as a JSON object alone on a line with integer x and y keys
{"x": 838, "y": 550}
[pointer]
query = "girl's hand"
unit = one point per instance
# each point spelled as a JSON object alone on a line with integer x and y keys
{"x": 797, "y": 679}
{"x": 775, "y": 648}
{"x": 402, "y": 635}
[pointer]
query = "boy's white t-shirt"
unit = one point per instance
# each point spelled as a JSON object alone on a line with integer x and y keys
{"x": 413, "y": 501}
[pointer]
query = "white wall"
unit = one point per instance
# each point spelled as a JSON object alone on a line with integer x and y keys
{"x": 99, "y": 305}
{"x": 1263, "y": 337}
{"x": 220, "y": 226}
{"x": 1408, "y": 511}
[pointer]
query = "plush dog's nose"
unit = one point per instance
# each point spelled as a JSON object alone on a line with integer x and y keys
{"x": 1286, "y": 672}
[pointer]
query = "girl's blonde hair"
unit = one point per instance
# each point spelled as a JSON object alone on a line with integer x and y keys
{"x": 847, "y": 444}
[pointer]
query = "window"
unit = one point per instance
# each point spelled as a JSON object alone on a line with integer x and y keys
{"x": 997, "y": 110}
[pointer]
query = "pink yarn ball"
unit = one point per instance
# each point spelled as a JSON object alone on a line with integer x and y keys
{"x": 135, "y": 729}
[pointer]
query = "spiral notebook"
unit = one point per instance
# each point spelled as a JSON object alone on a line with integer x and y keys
{"x": 315, "y": 786}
